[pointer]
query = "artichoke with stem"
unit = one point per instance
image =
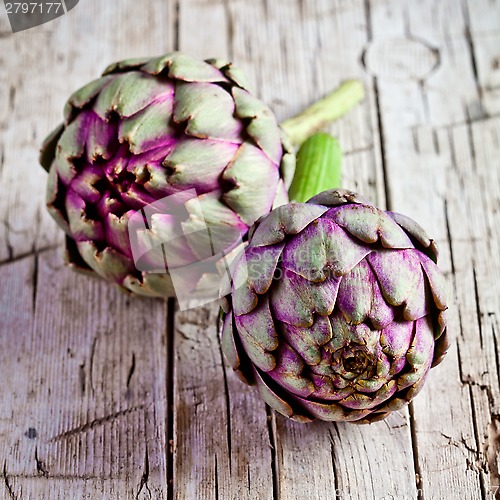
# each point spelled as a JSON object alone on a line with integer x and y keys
{"x": 155, "y": 128}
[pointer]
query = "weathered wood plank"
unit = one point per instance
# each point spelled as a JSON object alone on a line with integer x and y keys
{"x": 434, "y": 176}
{"x": 222, "y": 446}
{"x": 222, "y": 443}
{"x": 40, "y": 68}
{"x": 483, "y": 34}
{"x": 84, "y": 383}
{"x": 292, "y": 67}
{"x": 87, "y": 369}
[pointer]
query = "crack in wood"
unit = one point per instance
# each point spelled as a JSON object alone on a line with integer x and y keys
{"x": 478, "y": 308}
{"x": 414, "y": 446}
{"x": 333, "y": 459}
{"x": 91, "y": 364}
{"x": 34, "y": 280}
{"x": 275, "y": 463}
{"x": 40, "y": 465}
{"x": 216, "y": 477}
{"x": 96, "y": 423}
{"x": 145, "y": 476}
{"x": 492, "y": 449}
{"x": 497, "y": 354}
{"x": 177, "y": 20}
{"x": 171, "y": 332}
{"x": 12, "y": 98}
{"x": 81, "y": 376}
{"x": 131, "y": 370}
{"x": 229, "y": 27}
{"x": 358, "y": 150}
{"x": 31, "y": 253}
{"x": 227, "y": 399}
{"x": 470, "y": 44}
{"x": 6, "y": 482}
{"x": 380, "y": 127}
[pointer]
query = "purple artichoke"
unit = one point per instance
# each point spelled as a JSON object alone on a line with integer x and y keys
{"x": 153, "y": 128}
{"x": 337, "y": 311}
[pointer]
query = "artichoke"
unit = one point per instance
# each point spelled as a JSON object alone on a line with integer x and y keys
{"x": 154, "y": 128}
{"x": 337, "y": 311}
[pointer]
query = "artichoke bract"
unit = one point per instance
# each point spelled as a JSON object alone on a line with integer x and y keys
{"x": 339, "y": 310}
{"x": 154, "y": 128}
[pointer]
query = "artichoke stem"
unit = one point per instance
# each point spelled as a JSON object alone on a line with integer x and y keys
{"x": 324, "y": 111}
{"x": 318, "y": 167}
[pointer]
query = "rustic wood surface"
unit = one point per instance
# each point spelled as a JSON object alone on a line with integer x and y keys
{"x": 107, "y": 396}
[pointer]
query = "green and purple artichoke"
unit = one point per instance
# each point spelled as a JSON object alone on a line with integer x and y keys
{"x": 337, "y": 311}
{"x": 152, "y": 128}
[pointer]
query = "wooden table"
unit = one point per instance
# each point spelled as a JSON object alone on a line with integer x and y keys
{"x": 108, "y": 396}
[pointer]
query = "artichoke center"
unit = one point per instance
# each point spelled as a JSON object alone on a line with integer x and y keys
{"x": 356, "y": 362}
{"x": 122, "y": 180}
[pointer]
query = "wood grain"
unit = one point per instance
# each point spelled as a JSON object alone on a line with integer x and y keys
{"x": 106, "y": 396}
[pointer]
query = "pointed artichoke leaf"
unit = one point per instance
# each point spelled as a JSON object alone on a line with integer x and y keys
{"x": 254, "y": 275}
{"x": 295, "y": 300}
{"x": 198, "y": 164}
{"x": 417, "y": 232}
{"x": 355, "y": 296}
{"x": 401, "y": 280}
{"x": 212, "y": 228}
{"x": 185, "y": 68}
{"x": 331, "y": 412}
{"x": 209, "y": 111}
{"x": 48, "y": 149}
{"x": 131, "y": 92}
{"x": 287, "y": 168}
{"x": 264, "y": 131}
{"x": 74, "y": 260}
{"x": 150, "y": 285}
{"x": 345, "y": 334}
{"x": 248, "y": 106}
{"x": 234, "y": 74}
{"x": 237, "y": 76}
{"x": 334, "y": 197}
{"x": 82, "y": 227}
{"x": 288, "y": 371}
{"x": 420, "y": 353}
{"x": 85, "y": 95}
{"x": 308, "y": 341}
{"x": 84, "y": 183}
{"x": 395, "y": 340}
{"x": 71, "y": 144}
{"x": 108, "y": 263}
{"x": 442, "y": 341}
{"x": 228, "y": 343}
{"x": 368, "y": 224}
{"x": 255, "y": 179}
{"x": 281, "y": 195}
{"x": 102, "y": 139}
{"x": 437, "y": 281}
{"x": 263, "y": 127}
{"x": 258, "y": 335}
{"x": 277, "y": 403}
{"x": 148, "y": 129}
{"x": 54, "y": 204}
{"x": 321, "y": 249}
{"x": 126, "y": 65}
{"x": 367, "y": 400}
{"x": 116, "y": 231}
{"x": 287, "y": 219}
